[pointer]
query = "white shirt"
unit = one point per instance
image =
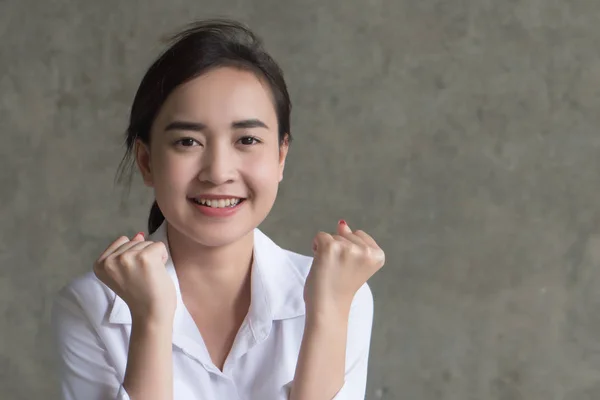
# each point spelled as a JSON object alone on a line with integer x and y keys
{"x": 92, "y": 326}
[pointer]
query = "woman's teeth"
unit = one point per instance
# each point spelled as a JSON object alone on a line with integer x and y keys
{"x": 222, "y": 203}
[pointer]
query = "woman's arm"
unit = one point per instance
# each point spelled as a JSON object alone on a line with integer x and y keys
{"x": 149, "y": 373}
{"x": 88, "y": 372}
{"x": 321, "y": 363}
{"x": 333, "y": 358}
{"x": 334, "y": 353}
{"x": 135, "y": 270}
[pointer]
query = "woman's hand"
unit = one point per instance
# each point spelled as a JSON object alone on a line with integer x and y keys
{"x": 135, "y": 270}
{"x": 342, "y": 264}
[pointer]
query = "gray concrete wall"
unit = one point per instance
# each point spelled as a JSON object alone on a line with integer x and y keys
{"x": 461, "y": 133}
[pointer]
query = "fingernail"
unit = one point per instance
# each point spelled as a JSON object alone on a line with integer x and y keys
{"x": 342, "y": 222}
{"x": 140, "y": 233}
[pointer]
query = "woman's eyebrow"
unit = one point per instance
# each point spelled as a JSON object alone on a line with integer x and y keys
{"x": 185, "y": 126}
{"x": 249, "y": 123}
{"x": 199, "y": 126}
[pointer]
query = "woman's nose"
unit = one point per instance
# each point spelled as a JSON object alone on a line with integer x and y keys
{"x": 218, "y": 165}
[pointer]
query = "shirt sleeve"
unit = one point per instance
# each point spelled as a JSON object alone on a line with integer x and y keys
{"x": 84, "y": 366}
{"x": 357, "y": 349}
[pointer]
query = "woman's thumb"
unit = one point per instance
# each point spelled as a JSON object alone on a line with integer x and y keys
{"x": 343, "y": 228}
{"x": 138, "y": 237}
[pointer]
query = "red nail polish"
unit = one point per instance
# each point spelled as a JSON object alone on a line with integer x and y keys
{"x": 342, "y": 222}
{"x": 140, "y": 233}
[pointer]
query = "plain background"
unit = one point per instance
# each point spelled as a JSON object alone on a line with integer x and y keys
{"x": 462, "y": 134}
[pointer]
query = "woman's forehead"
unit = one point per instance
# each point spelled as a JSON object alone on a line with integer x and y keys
{"x": 221, "y": 92}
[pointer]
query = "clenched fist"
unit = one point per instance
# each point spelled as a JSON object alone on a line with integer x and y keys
{"x": 135, "y": 270}
{"x": 342, "y": 263}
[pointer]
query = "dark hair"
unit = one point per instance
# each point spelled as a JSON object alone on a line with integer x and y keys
{"x": 202, "y": 46}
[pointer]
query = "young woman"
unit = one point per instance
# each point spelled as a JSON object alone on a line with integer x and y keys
{"x": 207, "y": 306}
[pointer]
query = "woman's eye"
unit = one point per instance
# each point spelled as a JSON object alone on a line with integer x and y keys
{"x": 186, "y": 142}
{"x": 249, "y": 140}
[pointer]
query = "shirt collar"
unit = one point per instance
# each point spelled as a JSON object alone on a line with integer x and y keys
{"x": 277, "y": 285}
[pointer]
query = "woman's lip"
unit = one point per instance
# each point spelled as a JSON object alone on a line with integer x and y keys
{"x": 217, "y": 212}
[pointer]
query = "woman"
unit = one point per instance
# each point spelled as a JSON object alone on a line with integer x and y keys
{"x": 208, "y": 307}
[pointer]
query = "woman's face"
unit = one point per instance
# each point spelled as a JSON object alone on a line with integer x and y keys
{"x": 215, "y": 138}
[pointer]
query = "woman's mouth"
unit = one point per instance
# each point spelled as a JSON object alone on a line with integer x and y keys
{"x": 220, "y": 203}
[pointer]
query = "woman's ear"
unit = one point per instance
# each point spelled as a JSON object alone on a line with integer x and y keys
{"x": 283, "y": 151}
{"x": 142, "y": 158}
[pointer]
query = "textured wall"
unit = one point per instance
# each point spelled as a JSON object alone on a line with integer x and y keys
{"x": 461, "y": 133}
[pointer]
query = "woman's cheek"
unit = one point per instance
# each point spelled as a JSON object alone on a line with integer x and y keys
{"x": 262, "y": 170}
{"x": 177, "y": 173}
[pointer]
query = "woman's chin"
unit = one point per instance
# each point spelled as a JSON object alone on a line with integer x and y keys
{"x": 219, "y": 237}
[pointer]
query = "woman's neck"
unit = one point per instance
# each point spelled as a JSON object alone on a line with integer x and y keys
{"x": 212, "y": 275}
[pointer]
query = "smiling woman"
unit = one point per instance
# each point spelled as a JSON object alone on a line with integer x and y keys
{"x": 215, "y": 135}
{"x": 208, "y": 307}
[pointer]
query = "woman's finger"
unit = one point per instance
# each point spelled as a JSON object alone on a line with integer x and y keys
{"x": 345, "y": 231}
{"x": 113, "y": 246}
{"x": 128, "y": 245}
{"x": 367, "y": 239}
{"x": 320, "y": 239}
{"x": 139, "y": 246}
{"x": 341, "y": 238}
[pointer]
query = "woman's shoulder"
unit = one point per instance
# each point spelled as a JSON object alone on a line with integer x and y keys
{"x": 85, "y": 295}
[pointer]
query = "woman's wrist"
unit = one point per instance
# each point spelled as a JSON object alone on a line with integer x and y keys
{"x": 153, "y": 322}
{"x": 336, "y": 311}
